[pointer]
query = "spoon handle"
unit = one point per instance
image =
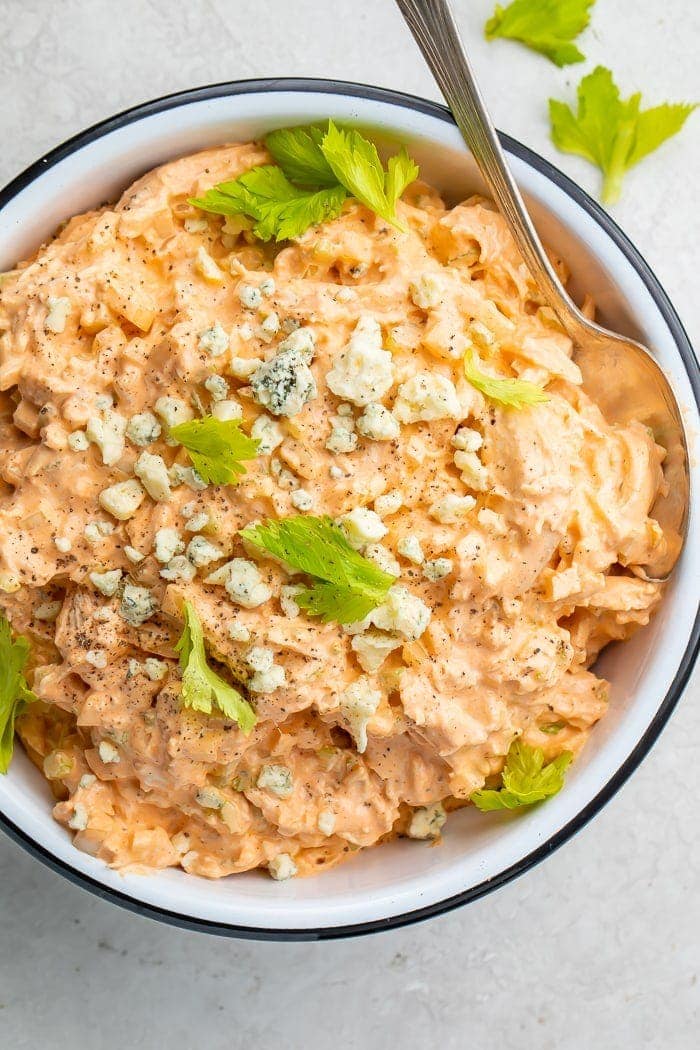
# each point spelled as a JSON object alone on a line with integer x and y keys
{"x": 433, "y": 27}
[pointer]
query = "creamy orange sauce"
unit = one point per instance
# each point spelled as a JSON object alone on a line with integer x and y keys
{"x": 515, "y": 533}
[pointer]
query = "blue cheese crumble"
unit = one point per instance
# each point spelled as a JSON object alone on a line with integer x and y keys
{"x": 286, "y": 383}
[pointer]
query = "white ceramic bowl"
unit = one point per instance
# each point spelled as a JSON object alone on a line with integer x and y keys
{"x": 400, "y": 882}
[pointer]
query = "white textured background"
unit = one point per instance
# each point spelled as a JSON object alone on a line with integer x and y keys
{"x": 597, "y": 947}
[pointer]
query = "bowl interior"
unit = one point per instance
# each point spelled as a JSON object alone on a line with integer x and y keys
{"x": 402, "y": 877}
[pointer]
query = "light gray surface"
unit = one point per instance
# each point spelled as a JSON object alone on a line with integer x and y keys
{"x": 597, "y": 946}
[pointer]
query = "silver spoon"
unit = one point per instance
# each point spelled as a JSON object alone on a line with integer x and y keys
{"x": 620, "y": 374}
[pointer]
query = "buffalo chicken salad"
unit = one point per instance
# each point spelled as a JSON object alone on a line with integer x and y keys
{"x": 309, "y": 534}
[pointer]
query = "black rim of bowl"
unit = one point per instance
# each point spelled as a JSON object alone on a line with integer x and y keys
{"x": 433, "y": 109}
